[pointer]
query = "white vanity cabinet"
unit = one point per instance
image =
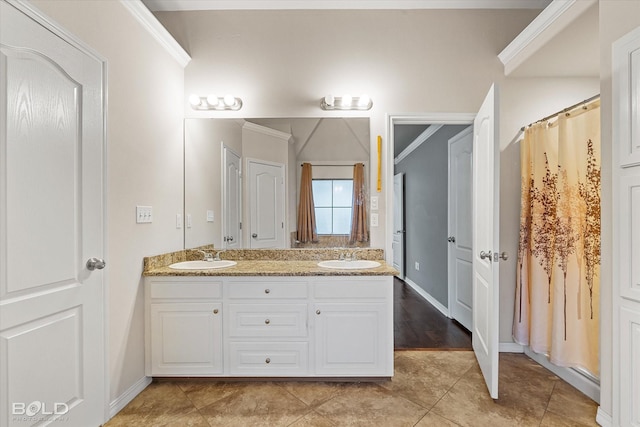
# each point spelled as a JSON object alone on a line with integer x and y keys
{"x": 183, "y": 327}
{"x": 269, "y": 326}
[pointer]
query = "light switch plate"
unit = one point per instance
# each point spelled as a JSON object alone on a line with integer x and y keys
{"x": 144, "y": 214}
{"x": 188, "y": 220}
{"x": 374, "y": 219}
{"x": 209, "y": 216}
{"x": 374, "y": 203}
{"x": 178, "y": 220}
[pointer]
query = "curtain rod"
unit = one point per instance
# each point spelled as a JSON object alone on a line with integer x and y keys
{"x": 334, "y": 165}
{"x": 550, "y": 116}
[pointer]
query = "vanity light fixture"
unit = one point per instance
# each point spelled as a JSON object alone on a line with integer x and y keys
{"x": 214, "y": 102}
{"x": 346, "y": 102}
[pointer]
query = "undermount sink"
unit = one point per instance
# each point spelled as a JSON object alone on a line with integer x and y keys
{"x": 349, "y": 265}
{"x": 202, "y": 265}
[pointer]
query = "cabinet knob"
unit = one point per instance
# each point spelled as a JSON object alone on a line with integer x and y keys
{"x": 317, "y": 311}
{"x": 267, "y": 321}
{"x": 266, "y": 291}
{"x": 267, "y": 360}
{"x": 215, "y": 311}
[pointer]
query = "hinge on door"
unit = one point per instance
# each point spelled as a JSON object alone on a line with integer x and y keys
{"x": 240, "y": 226}
{"x": 283, "y": 225}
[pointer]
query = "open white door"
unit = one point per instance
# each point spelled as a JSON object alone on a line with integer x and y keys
{"x": 486, "y": 203}
{"x": 231, "y": 206}
{"x": 265, "y": 185}
{"x": 460, "y": 238}
{"x": 398, "y": 223}
{"x": 52, "y": 342}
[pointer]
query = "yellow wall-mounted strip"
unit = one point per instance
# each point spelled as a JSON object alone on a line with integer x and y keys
{"x": 379, "y": 163}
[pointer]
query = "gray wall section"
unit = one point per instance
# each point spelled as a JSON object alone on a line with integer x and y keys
{"x": 426, "y": 212}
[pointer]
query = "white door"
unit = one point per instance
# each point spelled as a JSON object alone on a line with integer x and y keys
{"x": 266, "y": 204}
{"x": 460, "y": 236}
{"x": 486, "y": 202}
{"x": 231, "y": 206}
{"x": 52, "y": 342}
{"x": 398, "y": 223}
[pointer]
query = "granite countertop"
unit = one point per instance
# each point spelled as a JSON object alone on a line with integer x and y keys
{"x": 281, "y": 262}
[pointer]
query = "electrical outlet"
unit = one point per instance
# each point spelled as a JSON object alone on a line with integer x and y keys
{"x": 144, "y": 214}
{"x": 178, "y": 220}
{"x": 374, "y": 203}
{"x": 374, "y": 219}
{"x": 417, "y": 266}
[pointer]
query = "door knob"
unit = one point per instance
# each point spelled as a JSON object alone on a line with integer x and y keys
{"x": 451, "y": 239}
{"x": 504, "y": 256}
{"x": 95, "y": 264}
{"x": 485, "y": 255}
{"x": 254, "y": 235}
{"x": 230, "y": 238}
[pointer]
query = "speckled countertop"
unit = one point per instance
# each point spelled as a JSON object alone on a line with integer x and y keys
{"x": 271, "y": 262}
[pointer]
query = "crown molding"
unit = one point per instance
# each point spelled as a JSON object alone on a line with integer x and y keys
{"x": 553, "y": 19}
{"x": 184, "y": 5}
{"x": 267, "y": 131}
{"x": 157, "y": 31}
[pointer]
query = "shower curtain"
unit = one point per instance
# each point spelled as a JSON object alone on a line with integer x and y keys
{"x": 558, "y": 271}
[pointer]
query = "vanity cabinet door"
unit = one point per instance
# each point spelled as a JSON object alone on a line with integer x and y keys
{"x": 351, "y": 339}
{"x": 186, "y": 339}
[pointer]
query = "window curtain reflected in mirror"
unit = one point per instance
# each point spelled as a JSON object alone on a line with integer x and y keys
{"x": 359, "y": 232}
{"x": 306, "y": 230}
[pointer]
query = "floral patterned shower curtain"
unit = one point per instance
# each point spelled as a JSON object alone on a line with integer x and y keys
{"x": 558, "y": 281}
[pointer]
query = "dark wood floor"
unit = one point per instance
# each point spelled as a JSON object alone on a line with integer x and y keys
{"x": 419, "y": 325}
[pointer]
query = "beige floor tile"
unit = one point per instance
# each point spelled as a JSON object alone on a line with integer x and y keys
{"x": 312, "y": 419}
{"x": 424, "y": 377}
{"x": 369, "y": 405}
{"x": 192, "y": 420}
{"x": 313, "y": 393}
{"x": 552, "y": 420}
{"x": 572, "y": 404}
{"x": 468, "y": 403}
{"x": 258, "y": 404}
{"x": 203, "y": 393}
{"x": 433, "y": 420}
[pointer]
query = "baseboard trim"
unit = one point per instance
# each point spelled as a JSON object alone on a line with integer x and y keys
{"x": 123, "y": 400}
{"x": 431, "y": 300}
{"x": 604, "y": 419}
{"x": 579, "y": 381}
{"x": 510, "y": 347}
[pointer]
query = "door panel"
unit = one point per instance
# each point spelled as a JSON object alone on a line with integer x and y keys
{"x": 51, "y": 193}
{"x": 398, "y": 223}
{"x": 232, "y": 209}
{"x": 266, "y": 199}
{"x": 486, "y": 173}
{"x": 460, "y": 229}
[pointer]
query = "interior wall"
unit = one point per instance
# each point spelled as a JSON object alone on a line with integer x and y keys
{"x": 144, "y": 164}
{"x": 203, "y": 170}
{"x": 617, "y": 18}
{"x": 426, "y": 207}
{"x": 282, "y": 62}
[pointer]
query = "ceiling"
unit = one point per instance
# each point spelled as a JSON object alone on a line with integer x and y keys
{"x": 180, "y": 5}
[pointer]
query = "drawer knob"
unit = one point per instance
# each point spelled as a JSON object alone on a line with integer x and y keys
{"x": 317, "y": 311}
{"x": 266, "y": 291}
{"x": 267, "y": 321}
{"x": 215, "y": 311}
{"x": 267, "y": 360}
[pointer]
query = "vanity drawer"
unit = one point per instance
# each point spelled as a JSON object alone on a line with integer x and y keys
{"x": 268, "y": 358}
{"x": 267, "y": 320}
{"x": 266, "y": 290}
{"x": 185, "y": 289}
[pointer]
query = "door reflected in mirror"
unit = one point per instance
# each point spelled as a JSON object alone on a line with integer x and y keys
{"x": 242, "y": 181}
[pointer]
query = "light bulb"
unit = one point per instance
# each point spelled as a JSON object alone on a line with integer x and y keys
{"x": 213, "y": 100}
{"x": 329, "y": 100}
{"x": 229, "y": 100}
{"x": 347, "y": 100}
{"x": 194, "y": 100}
{"x": 364, "y": 100}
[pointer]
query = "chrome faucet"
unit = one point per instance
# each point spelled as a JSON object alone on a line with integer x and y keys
{"x": 217, "y": 257}
{"x": 206, "y": 256}
{"x": 354, "y": 257}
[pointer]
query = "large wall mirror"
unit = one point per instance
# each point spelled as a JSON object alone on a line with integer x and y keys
{"x": 242, "y": 180}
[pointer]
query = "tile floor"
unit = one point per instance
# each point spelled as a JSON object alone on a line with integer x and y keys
{"x": 430, "y": 388}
